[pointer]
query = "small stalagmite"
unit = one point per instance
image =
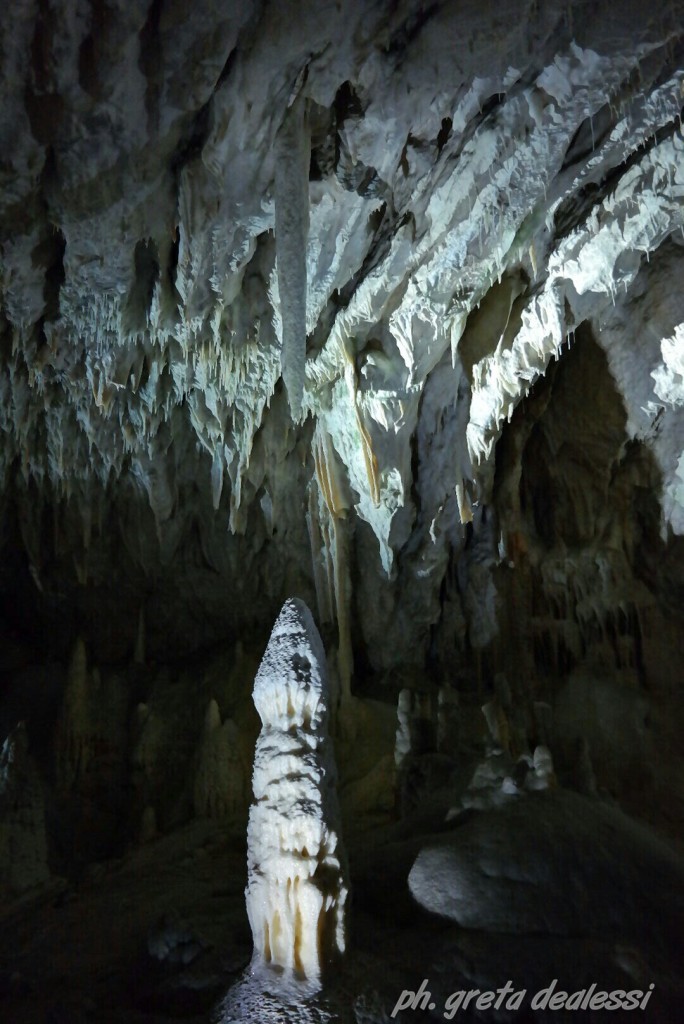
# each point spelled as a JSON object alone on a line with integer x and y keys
{"x": 297, "y": 879}
{"x": 75, "y": 726}
{"x": 218, "y": 791}
{"x": 23, "y": 842}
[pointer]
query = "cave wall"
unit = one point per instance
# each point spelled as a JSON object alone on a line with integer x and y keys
{"x": 375, "y": 304}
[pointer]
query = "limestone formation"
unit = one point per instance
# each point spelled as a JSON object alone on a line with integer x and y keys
{"x": 543, "y": 776}
{"x": 219, "y": 788}
{"x": 508, "y": 870}
{"x": 415, "y": 728}
{"x": 23, "y": 842}
{"x": 297, "y": 887}
{"x": 375, "y": 230}
{"x": 90, "y": 742}
{"x": 76, "y": 727}
{"x": 378, "y": 304}
{"x": 498, "y": 725}
{"x": 402, "y": 745}
{"x": 293, "y": 155}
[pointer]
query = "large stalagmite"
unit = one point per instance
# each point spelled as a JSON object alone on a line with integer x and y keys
{"x": 296, "y": 888}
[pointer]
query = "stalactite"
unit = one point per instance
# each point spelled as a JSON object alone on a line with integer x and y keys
{"x": 327, "y": 472}
{"x": 370, "y": 460}
{"x": 216, "y": 479}
{"x": 318, "y": 554}
{"x": 345, "y": 657}
{"x": 328, "y": 533}
{"x": 332, "y": 512}
{"x": 465, "y": 509}
{"x": 293, "y": 156}
{"x": 367, "y": 451}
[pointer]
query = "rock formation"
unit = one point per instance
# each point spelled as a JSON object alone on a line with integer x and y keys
{"x": 297, "y": 886}
{"x": 23, "y": 842}
{"x": 75, "y": 739}
{"x": 378, "y": 304}
{"x": 502, "y": 871}
{"x": 219, "y": 788}
{"x": 367, "y": 221}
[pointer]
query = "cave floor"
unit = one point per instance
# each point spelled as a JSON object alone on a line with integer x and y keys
{"x": 85, "y": 951}
{"x": 80, "y": 952}
{"x": 161, "y": 935}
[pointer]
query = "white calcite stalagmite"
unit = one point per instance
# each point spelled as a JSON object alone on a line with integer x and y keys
{"x": 297, "y": 887}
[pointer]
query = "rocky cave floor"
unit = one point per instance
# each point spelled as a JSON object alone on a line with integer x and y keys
{"x": 573, "y": 890}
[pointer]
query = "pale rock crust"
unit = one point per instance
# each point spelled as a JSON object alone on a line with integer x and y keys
{"x": 169, "y": 259}
{"x": 297, "y": 888}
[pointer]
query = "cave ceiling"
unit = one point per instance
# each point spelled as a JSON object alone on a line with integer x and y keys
{"x": 286, "y": 289}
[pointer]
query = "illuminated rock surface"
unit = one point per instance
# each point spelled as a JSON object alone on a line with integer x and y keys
{"x": 459, "y": 197}
{"x": 296, "y": 886}
{"x": 553, "y": 863}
